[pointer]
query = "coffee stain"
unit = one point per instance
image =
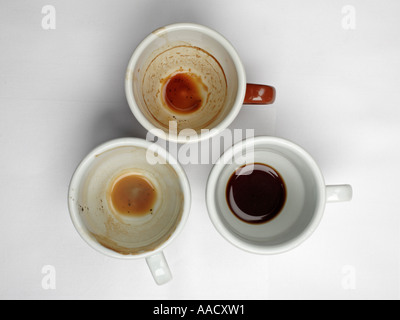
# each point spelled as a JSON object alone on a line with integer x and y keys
{"x": 110, "y": 244}
{"x": 119, "y": 235}
{"x": 107, "y": 151}
{"x": 159, "y": 32}
{"x": 183, "y": 92}
{"x": 182, "y": 123}
{"x": 132, "y": 194}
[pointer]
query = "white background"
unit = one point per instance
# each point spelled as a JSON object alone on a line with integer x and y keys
{"x": 338, "y": 96}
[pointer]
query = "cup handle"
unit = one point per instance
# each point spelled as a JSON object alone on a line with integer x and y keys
{"x": 159, "y": 268}
{"x": 339, "y": 193}
{"x": 259, "y": 94}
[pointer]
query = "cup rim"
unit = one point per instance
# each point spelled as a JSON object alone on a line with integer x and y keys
{"x": 240, "y": 95}
{"x": 234, "y": 238}
{"x": 77, "y": 179}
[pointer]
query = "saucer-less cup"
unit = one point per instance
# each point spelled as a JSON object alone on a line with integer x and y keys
{"x": 306, "y": 196}
{"x": 212, "y": 60}
{"x": 130, "y": 237}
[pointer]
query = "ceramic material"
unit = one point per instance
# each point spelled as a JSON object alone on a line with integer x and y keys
{"x": 198, "y": 50}
{"x": 306, "y": 196}
{"x": 130, "y": 237}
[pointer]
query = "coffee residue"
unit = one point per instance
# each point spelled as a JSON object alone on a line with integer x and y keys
{"x": 256, "y": 193}
{"x": 182, "y": 92}
{"x": 133, "y": 195}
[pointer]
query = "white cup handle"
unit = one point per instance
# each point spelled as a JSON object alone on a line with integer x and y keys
{"x": 159, "y": 268}
{"x": 339, "y": 193}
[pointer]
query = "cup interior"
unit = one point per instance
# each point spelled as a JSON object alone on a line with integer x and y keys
{"x": 121, "y": 235}
{"x": 305, "y": 196}
{"x": 185, "y": 48}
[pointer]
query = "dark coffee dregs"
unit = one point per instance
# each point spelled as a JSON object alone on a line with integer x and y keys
{"x": 256, "y": 193}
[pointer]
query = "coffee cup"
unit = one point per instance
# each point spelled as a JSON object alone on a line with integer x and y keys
{"x": 127, "y": 206}
{"x": 267, "y": 195}
{"x": 191, "y": 76}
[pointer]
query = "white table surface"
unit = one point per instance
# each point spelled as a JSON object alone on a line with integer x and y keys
{"x": 338, "y": 96}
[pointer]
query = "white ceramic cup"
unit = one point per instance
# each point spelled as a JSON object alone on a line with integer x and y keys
{"x": 306, "y": 196}
{"x": 198, "y": 50}
{"x": 130, "y": 237}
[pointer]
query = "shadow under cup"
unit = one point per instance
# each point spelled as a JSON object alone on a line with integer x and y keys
{"x": 303, "y": 208}
{"x": 190, "y": 49}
